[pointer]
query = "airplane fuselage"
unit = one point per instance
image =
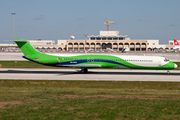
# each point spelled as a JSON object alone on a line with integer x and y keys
{"x": 85, "y": 61}
{"x": 106, "y": 61}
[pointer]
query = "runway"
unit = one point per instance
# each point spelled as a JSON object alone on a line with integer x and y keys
{"x": 93, "y": 74}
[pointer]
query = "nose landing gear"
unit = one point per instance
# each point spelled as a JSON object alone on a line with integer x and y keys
{"x": 84, "y": 70}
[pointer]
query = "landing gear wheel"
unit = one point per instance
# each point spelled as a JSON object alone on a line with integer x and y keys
{"x": 84, "y": 70}
{"x": 168, "y": 71}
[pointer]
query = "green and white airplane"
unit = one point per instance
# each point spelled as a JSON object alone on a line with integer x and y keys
{"x": 85, "y": 61}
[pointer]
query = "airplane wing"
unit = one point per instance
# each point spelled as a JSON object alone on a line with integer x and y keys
{"x": 84, "y": 66}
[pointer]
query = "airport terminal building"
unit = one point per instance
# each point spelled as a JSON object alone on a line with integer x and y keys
{"x": 105, "y": 41}
{"x": 111, "y": 40}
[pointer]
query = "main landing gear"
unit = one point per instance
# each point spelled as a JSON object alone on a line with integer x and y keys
{"x": 84, "y": 70}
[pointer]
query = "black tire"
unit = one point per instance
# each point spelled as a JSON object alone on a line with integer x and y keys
{"x": 84, "y": 70}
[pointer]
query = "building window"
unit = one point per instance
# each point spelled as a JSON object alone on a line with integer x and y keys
{"x": 98, "y": 38}
{"x": 92, "y": 38}
{"x": 153, "y": 43}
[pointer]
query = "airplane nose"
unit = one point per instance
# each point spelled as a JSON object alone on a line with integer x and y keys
{"x": 175, "y": 66}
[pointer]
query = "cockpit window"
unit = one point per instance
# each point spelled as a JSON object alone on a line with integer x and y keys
{"x": 166, "y": 60}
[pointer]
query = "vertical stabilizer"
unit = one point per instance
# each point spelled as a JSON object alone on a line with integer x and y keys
{"x": 26, "y": 47}
{"x": 176, "y": 42}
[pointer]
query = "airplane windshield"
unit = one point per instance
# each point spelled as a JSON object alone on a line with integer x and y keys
{"x": 166, "y": 60}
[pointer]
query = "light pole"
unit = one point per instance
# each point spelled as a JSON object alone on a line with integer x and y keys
{"x": 85, "y": 34}
{"x": 13, "y": 23}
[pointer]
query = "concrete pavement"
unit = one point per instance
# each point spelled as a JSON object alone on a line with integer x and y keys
{"x": 93, "y": 74}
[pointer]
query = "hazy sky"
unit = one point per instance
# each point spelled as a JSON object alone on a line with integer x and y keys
{"x": 59, "y": 19}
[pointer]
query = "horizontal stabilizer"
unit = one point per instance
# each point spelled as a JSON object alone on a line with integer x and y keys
{"x": 20, "y": 40}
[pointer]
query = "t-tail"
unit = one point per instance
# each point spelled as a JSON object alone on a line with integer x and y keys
{"x": 28, "y": 50}
{"x": 176, "y": 42}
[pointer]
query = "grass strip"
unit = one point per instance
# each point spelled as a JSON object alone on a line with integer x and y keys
{"x": 22, "y": 64}
{"x": 39, "y": 99}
